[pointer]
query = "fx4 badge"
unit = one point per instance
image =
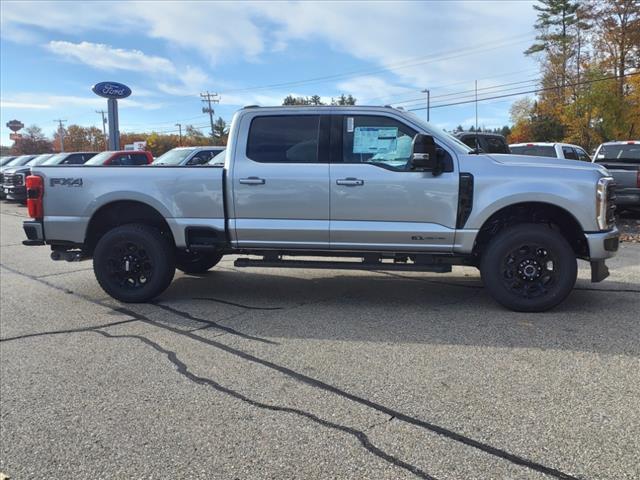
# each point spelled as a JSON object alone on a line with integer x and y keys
{"x": 65, "y": 182}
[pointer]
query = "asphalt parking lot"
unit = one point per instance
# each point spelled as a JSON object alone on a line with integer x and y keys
{"x": 282, "y": 374}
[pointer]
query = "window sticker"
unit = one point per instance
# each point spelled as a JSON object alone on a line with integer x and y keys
{"x": 375, "y": 139}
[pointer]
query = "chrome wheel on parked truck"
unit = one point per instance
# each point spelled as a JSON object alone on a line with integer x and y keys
{"x": 529, "y": 268}
{"x": 134, "y": 263}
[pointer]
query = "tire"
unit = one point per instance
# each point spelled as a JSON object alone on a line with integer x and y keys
{"x": 134, "y": 263}
{"x": 196, "y": 262}
{"x": 529, "y": 268}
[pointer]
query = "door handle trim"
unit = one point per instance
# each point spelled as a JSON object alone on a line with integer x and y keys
{"x": 350, "y": 182}
{"x": 252, "y": 181}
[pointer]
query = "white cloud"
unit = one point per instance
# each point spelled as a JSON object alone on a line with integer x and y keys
{"x": 23, "y": 105}
{"x": 188, "y": 82}
{"x": 105, "y": 57}
{"x": 371, "y": 89}
{"x": 44, "y": 101}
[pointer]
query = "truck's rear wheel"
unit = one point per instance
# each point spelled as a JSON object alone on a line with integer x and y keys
{"x": 134, "y": 263}
{"x": 196, "y": 262}
{"x": 529, "y": 268}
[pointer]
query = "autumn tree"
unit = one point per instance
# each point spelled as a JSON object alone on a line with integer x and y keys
{"x": 33, "y": 141}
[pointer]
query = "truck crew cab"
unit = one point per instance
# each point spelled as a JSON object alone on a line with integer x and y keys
{"x": 365, "y": 187}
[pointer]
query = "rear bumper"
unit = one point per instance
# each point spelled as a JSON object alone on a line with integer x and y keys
{"x": 34, "y": 232}
{"x": 603, "y": 245}
{"x": 628, "y": 197}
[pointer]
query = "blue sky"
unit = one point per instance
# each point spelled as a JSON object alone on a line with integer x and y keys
{"x": 257, "y": 53}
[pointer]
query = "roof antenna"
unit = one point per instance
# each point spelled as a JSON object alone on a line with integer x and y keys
{"x": 477, "y": 139}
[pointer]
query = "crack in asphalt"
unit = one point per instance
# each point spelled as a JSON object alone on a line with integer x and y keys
{"x": 226, "y": 302}
{"x": 361, "y": 436}
{"x": 213, "y": 324}
{"x": 71, "y": 330}
{"x": 305, "y": 379}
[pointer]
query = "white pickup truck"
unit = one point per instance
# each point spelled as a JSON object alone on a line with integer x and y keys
{"x": 363, "y": 187}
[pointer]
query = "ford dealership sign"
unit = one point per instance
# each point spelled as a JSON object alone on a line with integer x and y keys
{"x": 111, "y": 90}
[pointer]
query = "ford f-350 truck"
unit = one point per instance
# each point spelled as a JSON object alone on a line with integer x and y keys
{"x": 361, "y": 187}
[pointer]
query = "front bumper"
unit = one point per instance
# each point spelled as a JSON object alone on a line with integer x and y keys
{"x": 34, "y": 232}
{"x": 603, "y": 245}
{"x": 15, "y": 193}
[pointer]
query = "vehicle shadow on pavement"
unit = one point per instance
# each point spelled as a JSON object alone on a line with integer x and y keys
{"x": 381, "y": 308}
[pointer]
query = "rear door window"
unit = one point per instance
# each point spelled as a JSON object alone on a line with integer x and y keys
{"x": 74, "y": 159}
{"x": 139, "y": 159}
{"x": 496, "y": 145}
{"x": 623, "y": 153}
{"x": 534, "y": 150}
{"x": 569, "y": 153}
{"x": 284, "y": 139}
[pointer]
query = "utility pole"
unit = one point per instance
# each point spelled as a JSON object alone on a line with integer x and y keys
{"x": 179, "y": 125}
{"x": 428, "y": 101}
{"x": 61, "y": 133}
{"x": 208, "y": 99}
{"x": 104, "y": 126}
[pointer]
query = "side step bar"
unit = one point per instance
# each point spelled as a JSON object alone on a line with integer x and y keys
{"x": 316, "y": 264}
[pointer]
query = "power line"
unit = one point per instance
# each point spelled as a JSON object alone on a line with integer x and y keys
{"x": 455, "y": 94}
{"x": 448, "y": 85}
{"x": 537, "y": 90}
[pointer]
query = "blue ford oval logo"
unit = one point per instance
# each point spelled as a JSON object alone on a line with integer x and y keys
{"x": 111, "y": 90}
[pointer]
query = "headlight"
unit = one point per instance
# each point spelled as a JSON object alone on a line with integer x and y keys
{"x": 18, "y": 179}
{"x": 605, "y": 205}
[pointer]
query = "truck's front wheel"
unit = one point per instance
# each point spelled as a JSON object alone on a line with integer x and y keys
{"x": 529, "y": 268}
{"x": 134, "y": 263}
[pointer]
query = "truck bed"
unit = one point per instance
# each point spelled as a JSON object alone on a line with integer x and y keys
{"x": 182, "y": 195}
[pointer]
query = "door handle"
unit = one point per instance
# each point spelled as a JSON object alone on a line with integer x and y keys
{"x": 350, "y": 182}
{"x": 252, "y": 181}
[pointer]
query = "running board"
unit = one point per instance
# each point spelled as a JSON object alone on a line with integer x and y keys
{"x": 316, "y": 264}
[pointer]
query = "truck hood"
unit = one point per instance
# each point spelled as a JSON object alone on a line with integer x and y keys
{"x": 14, "y": 170}
{"x": 531, "y": 161}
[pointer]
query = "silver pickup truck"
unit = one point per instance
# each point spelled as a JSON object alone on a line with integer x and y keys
{"x": 346, "y": 187}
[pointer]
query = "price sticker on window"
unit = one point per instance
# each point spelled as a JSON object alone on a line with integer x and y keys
{"x": 375, "y": 140}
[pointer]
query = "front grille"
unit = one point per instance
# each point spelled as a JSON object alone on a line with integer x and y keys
{"x": 611, "y": 204}
{"x": 11, "y": 180}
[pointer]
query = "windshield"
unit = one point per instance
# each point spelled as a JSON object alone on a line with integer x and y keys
{"x": 39, "y": 159}
{"x": 99, "y": 159}
{"x": 218, "y": 159}
{"x": 624, "y": 153}
{"x": 19, "y": 161}
{"x": 173, "y": 157}
{"x": 5, "y": 161}
{"x": 534, "y": 150}
{"x": 56, "y": 159}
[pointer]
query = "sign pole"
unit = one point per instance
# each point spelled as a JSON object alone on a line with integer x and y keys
{"x": 114, "y": 132}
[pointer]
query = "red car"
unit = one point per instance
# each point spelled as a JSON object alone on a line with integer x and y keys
{"x": 122, "y": 158}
